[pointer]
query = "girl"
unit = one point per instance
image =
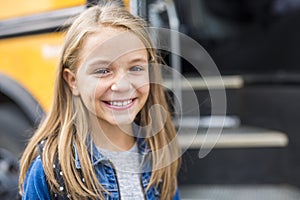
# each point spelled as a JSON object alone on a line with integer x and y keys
{"x": 105, "y": 136}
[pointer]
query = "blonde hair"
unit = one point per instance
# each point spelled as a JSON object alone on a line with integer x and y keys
{"x": 65, "y": 124}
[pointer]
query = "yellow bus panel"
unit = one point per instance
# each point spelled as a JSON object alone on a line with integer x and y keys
{"x": 17, "y": 8}
{"x": 32, "y": 61}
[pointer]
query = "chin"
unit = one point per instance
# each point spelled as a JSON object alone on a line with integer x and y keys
{"x": 121, "y": 121}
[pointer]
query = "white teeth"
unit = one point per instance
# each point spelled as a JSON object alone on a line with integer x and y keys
{"x": 120, "y": 103}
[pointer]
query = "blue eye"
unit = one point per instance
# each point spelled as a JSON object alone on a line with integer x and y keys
{"x": 137, "y": 68}
{"x": 103, "y": 71}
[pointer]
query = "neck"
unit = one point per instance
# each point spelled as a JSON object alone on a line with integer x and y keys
{"x": 112, "y": 137}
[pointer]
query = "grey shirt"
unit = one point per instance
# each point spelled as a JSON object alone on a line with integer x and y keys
{"x": 127, "y": 168}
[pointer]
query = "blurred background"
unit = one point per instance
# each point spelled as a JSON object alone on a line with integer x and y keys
{"x": 255, "y": 45}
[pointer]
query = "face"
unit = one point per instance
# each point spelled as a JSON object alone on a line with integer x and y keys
{"x": 112, "y": 76}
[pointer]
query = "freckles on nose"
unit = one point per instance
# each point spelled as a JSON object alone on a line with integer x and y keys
{"x": 122, "y": 84}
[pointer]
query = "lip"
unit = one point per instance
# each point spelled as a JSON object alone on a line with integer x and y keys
{"x": 125, "y": 107}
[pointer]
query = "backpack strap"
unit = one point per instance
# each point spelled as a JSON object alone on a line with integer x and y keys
{"x": 58, "y": 176}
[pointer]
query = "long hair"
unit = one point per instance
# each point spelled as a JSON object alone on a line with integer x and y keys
{"x": 66, "y": 123}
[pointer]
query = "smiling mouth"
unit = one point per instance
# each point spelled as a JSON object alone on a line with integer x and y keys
{"x": 120, "y": 104}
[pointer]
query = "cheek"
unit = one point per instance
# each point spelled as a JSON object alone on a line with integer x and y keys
{"x": 142, "y": 84}
{"x": 100, "y": 89}
{"x": 144, "y": 90}
{"x": 87, "y": 97}
{"x": 90, "y": 90}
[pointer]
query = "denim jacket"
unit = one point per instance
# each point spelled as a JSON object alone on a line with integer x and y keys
{"x": 35, "y": 186}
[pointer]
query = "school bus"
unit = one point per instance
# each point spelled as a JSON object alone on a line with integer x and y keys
{"x": 30, "y": 43}
{"x": 240, "y": 37}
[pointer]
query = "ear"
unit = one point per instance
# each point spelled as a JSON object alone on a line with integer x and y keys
{"x": 70, "y": 78}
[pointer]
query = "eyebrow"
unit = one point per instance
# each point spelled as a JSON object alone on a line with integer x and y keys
{"x": 135, "y": 60}
{"x": 99, "y": 61}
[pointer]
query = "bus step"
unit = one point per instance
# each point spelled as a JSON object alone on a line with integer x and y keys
{"x": 239, "y": 192}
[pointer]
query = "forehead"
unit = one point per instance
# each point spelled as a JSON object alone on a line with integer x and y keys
{"x": 110, "y": 44}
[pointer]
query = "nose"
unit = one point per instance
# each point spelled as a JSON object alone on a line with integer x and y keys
{"x": 122, "y": 84}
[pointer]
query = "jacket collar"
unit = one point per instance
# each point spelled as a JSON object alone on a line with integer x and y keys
{"x": 96, "y": 156}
